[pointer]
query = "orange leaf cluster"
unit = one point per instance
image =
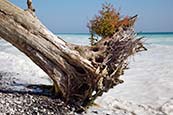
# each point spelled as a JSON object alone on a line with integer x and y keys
{"x": 107, "y": 22}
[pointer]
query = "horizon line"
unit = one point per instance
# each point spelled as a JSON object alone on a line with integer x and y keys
{"x": 136, "y": 32}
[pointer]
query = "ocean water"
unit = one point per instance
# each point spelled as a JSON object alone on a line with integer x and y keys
{"x": 76, "y": 38}
{"x": 158, "y": 38}
{"x": 147, "y": 87}
{"x": 149, "y": 38}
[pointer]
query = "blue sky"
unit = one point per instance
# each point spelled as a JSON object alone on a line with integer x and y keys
{"x": 71, "y": 16}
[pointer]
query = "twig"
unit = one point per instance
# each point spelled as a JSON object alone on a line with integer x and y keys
{"x": 30, "y": 7}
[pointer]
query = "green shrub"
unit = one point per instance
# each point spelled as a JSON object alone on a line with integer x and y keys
{"x": 107, "y": 22}
{"x": 104, "y": 24}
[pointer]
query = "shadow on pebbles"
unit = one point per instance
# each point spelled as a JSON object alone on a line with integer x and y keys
{"x": 27, "y": 101}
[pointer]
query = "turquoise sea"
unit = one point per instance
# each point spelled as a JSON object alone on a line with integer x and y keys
{"x": 162, "y": 38}
{"x": 149, "y": 38}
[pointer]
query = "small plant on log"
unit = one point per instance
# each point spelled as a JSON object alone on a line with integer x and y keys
{"x": 107, "y": 22}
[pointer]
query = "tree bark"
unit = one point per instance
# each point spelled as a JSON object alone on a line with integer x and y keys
{"x": 77, "y": 71}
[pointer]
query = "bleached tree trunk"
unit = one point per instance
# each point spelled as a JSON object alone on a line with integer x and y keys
{"x": 77, "y": 71}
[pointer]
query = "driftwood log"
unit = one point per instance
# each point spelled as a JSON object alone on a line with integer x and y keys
{"x": 79, "y": 73}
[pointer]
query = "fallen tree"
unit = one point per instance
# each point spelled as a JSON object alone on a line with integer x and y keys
{"x": 79, "y": 73}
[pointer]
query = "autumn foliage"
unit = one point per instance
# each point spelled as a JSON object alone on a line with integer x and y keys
{"x": 107, "y": 22}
